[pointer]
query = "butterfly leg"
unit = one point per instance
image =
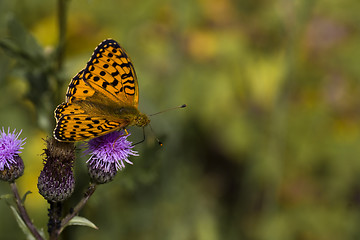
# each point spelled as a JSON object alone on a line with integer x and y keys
{"x": 122, "y": 135}
{"x": 160, "y": 143}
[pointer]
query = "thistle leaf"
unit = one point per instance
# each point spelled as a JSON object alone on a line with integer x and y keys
{"x": 81, "y": 221}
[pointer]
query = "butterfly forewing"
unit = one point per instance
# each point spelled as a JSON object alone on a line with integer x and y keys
{"x": 111, "y": 72}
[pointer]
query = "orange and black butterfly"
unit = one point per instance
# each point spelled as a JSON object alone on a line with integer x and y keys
{"x": 101, "y": 98}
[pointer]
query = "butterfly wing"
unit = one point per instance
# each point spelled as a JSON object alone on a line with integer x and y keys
{"x": 74, "y": 124}
{"x": 98, "y": 95}
{"x": 111, "y": 73}
{"x": 66, "y": 109}
{"x": 78, "y": 89}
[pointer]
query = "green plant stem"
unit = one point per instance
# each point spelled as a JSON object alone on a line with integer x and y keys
{"x": 91, "y": 189}
{"x": 62, "y": 16}
{"x": 54, "y": 223}
{"x": 62, "y": 9}
{"x": 22, "y": 212}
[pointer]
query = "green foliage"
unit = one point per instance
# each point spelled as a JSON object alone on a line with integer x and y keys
{"x": 24, "y": 197}
{"x": 268, "y": 147}
{"x": 22, "y": 224}
{"x": 81, "y": 221}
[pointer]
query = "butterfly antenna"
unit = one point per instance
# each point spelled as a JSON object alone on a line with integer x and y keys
{"x": 182, "y": 106}
{"x": 159, "y": 142}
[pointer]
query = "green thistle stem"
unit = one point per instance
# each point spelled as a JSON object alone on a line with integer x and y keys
{"x": 91, "y": 189}
{"x": 23, "y": 214}
{"x": 54, "y": 219}
{"x": 62, "y": 15}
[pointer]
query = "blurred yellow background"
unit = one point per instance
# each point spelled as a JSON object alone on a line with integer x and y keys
{"x": 268, "y": 147}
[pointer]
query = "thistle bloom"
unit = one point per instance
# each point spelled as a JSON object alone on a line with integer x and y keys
{"x": 108, "y": 154}
{"x": 11, "y": 164}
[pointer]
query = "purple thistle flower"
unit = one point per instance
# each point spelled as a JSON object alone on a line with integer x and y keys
{"x": 11, "y": 164}
{"x": 108, "y": 154}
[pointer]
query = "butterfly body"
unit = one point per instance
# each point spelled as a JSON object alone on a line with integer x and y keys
{"x": 101, "y": 98}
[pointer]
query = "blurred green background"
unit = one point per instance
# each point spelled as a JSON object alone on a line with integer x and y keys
{"x": 268, "y": 147}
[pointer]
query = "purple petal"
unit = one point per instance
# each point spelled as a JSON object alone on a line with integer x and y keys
{"x": 10, "y": 146}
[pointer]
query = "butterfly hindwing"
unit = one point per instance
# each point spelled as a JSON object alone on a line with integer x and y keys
{"x": 76, "y": 125}
{"x": 111, "y": 72}
{"x": 67, "y": 109}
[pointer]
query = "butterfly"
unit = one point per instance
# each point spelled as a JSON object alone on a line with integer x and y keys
{"x": 101, "y": 98}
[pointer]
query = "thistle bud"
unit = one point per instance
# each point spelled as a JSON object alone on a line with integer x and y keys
{"x": 56, "y": 181}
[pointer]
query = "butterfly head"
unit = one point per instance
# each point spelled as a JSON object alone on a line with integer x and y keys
{"x": 142, "y": 120}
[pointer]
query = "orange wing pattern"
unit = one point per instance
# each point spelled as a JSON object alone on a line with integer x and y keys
{"x": 78, "y": 127}
{"x": 111, "y": 72}
{"x": 67, "y": 109}
{"x": 108, "y": 78}
{"x": 78, "y": 90}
